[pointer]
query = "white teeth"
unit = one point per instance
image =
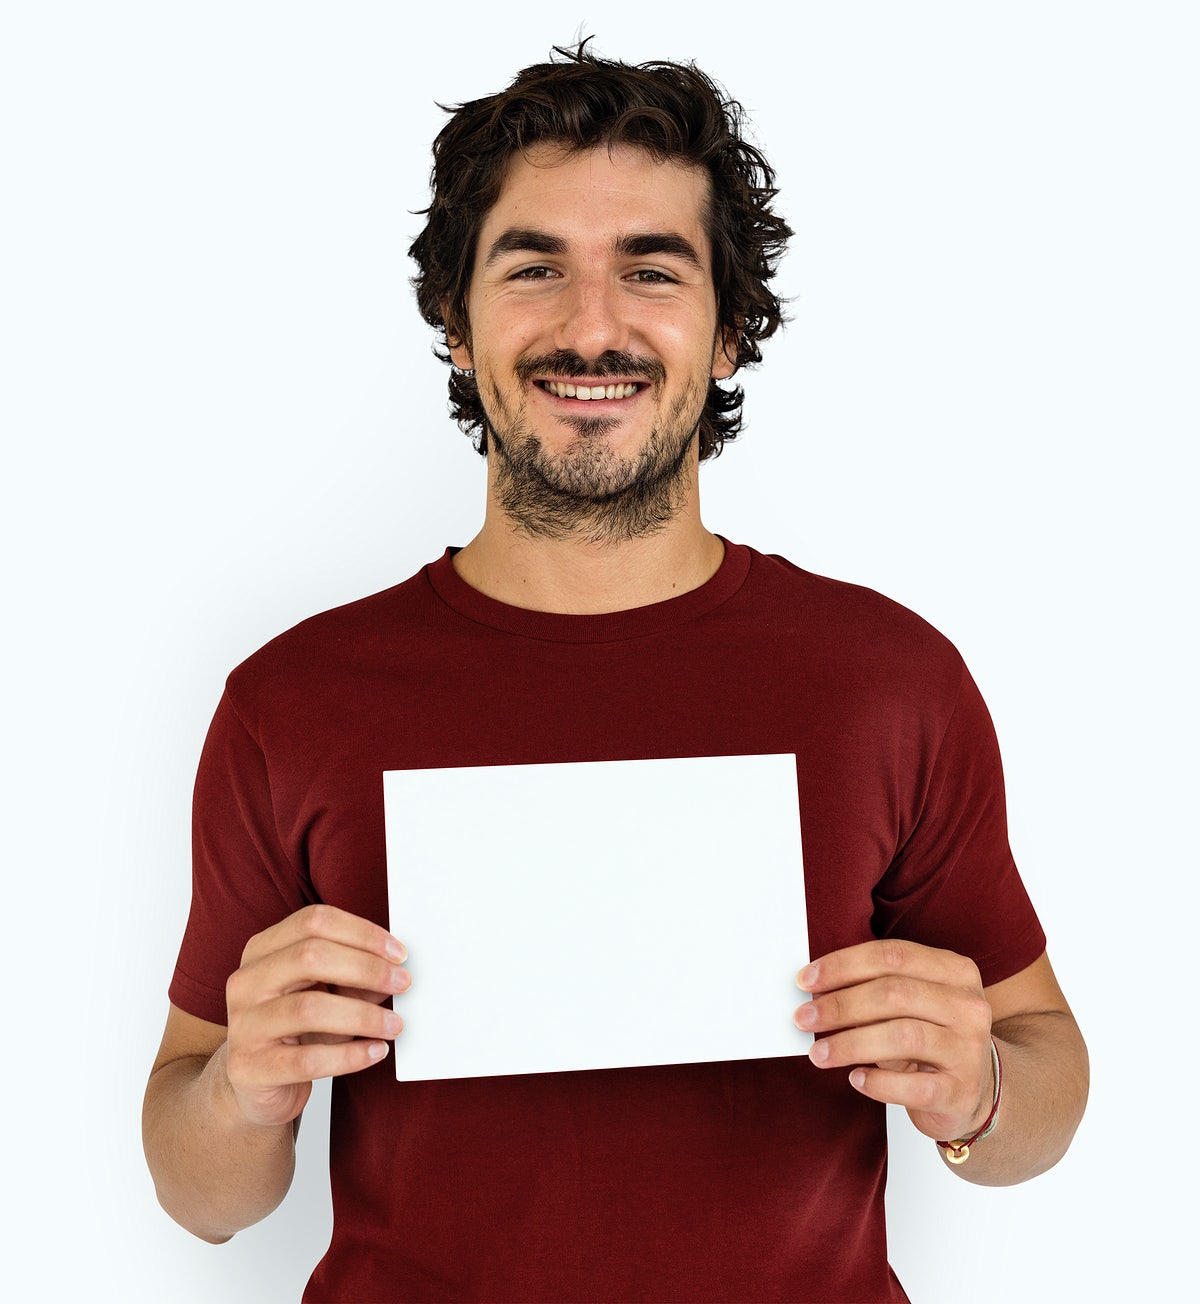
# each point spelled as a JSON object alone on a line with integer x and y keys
{"x": 564, "y": 389}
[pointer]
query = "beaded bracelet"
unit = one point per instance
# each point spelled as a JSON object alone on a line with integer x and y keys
{"x": 958, "y": 1152}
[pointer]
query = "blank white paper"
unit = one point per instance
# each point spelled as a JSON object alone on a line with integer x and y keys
{"x": 596, "y": 915}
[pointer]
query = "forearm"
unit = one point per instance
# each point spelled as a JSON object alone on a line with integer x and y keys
{"x": 214, "y": 1172}
{"x": 1045, "y": 1067}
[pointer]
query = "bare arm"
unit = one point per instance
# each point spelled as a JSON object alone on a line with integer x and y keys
{"x": 222, "y": 1106}
{"x": 1045, "y": 1079}
{"x": 214, "y": 1172}
{"x": 916, "y": 1022}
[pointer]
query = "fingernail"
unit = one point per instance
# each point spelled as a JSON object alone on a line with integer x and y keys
{"x": 377, "y": 1050}
{"x": 806, "y": 1015}
{"x": 392, "y": 1023}
{"x": 858, "y": 1079}
{"x": 807, "y": 977}
{"x": 401, "y": 980}
{"x": 396, "y": 950}
{"x": 819, "y": 1052}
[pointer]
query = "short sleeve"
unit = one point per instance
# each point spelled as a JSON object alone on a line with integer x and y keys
{"x": 954, "y": 883}
{"x": 243, "y": 881}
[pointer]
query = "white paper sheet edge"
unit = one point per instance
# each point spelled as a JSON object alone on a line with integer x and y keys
{"x": 596, "y": 915}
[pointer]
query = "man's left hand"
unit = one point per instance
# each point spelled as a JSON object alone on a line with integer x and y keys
{"x": 915, "y": 1023}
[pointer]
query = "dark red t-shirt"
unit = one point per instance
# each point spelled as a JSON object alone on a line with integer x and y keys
{"x": 743, "y": 1180}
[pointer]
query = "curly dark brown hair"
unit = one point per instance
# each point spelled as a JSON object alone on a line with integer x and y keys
{"x": 581, "y": 101}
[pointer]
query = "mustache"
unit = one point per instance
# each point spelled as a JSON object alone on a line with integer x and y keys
{"x": 565, "y": 364}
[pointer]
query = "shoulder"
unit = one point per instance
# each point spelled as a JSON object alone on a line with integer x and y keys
{"x": 855, "y": 623}
{"x": 342, "y": 645}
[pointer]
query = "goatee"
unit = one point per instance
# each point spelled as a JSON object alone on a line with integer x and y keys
{"x": 588, "y": 491}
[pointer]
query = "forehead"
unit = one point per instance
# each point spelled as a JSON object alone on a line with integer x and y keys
{"x": 601, "y": 191}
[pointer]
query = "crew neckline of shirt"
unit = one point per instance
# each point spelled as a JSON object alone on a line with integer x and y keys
{"x": 604, "y": 627}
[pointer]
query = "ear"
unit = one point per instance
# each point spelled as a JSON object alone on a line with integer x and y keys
{"x": 460, "y": 353}
{"x": 724, "y": 362}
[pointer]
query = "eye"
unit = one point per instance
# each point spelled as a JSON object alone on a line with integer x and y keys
{"x": 534, "y": 274}
{"x": 652, "y": 276}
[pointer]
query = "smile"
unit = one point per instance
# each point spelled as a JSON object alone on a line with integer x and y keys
{"x": 568, "y": 389}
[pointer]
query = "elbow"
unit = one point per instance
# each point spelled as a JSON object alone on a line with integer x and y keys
{"x": 187, "y": 1217}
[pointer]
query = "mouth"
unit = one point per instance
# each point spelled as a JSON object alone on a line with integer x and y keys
{"x": 584, "y": 392}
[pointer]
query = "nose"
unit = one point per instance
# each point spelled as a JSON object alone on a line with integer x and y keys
{"x": 592, "y": 320}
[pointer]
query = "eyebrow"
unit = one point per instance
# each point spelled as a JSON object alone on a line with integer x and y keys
{"x": 526, "y": 239}
{"x": 649, "y": 243}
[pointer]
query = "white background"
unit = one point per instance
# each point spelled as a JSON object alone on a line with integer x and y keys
{"x": 221, "y": 414}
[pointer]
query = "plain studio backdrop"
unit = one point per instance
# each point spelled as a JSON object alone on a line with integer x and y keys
{"x": 221, "y": 414}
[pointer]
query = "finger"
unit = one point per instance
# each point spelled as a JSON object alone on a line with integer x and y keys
{"x": 376, "y": 998}
{"x": 896, "y": 997}
{"x": 924, "y": 1092}
{"x": 907, "y": 1041}
{"x": 262, "y": 1057}
{"x": 310, "y": 961}
{"x": 938, "y": 1105}
{"x": 315, "y": 1011}
{"x": 332, "y": 924}
{"x": 859, "y": 964}
{"x": 286, "y": 1065}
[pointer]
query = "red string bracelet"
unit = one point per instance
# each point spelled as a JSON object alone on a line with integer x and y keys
{"x": 958, "y": 1152}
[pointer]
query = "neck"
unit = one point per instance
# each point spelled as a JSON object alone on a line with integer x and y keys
{"x": 582, "y": 577}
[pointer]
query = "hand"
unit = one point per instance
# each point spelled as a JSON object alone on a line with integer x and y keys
{"x": 305, "y": 1004}
{"x": 915, "y": 1020}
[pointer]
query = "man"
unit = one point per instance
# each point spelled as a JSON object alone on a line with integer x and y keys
{"x": 598, "y": 254}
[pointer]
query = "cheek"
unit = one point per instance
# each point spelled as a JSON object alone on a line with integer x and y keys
{"x": 686, "y": 343}
{"x": 509, "y": 327}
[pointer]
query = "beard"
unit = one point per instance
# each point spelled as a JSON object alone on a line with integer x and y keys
{"x": 588, "y": 491}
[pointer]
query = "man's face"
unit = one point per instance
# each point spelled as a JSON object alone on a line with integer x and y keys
{"x": 593, "y": 275}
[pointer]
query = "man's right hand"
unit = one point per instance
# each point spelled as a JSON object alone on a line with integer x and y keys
{"x": 307, "y": 1003}
{"x": 219, "y": 1118}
